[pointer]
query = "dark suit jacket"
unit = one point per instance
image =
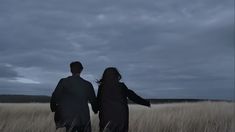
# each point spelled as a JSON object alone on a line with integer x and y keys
{"x": 70, "y": 100}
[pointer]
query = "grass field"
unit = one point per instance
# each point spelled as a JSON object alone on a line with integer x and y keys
{"x": 179, "y": 117}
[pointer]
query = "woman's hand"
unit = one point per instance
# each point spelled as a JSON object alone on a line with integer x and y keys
{"x": 148, "y": 104}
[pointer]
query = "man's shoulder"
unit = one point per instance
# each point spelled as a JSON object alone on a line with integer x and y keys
{"x": 122, "y": 84}
{"x": 85, "y": 81}
{"x": 65, "y": 79}
{"x": 71, "y": 78}
{"x": 68, "y": 77}
{"x": 62, "y": 79}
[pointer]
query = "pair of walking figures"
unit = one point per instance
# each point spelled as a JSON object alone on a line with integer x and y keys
{"x": 70, "y": 100}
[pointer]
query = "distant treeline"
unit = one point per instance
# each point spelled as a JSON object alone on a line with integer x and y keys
{"x": 46, "y": 99}
{"x": 24, "y": 98}
{"x": 161, "y": 101}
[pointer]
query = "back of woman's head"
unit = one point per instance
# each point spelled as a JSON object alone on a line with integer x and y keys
{"x": 110, "y": 75}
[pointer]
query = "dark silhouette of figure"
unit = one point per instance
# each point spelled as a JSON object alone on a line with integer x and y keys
{"x": 70, "y": 99}
{"x": 112, "y": 100}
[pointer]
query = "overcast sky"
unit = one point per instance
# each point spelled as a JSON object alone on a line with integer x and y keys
{"x": 163, "y": 48}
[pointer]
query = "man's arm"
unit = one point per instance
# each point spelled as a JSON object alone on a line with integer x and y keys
{"x": 135, "y": 98}
{"x": 99, "y": 98}
{"x": 92, "y": 99}
{"x": 55, "y": 96}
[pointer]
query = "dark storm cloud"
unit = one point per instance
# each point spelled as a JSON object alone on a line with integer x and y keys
{"x": 163, "y": 48}
{"x": 7, "y": 72}
{"x": 24, "y": 88}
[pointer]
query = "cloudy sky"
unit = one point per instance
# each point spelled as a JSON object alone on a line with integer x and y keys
{"x": 163, "y": 48}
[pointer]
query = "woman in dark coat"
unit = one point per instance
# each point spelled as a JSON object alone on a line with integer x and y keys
{"x": 112, "y": 99}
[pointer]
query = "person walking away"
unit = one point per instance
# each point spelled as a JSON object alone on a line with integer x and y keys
{"x": 112, "y": 99}
{"x": 70, "y": 100}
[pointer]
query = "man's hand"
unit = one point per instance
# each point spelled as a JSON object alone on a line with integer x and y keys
{"x": 95, "y": 112}
{"x": 53, "y": 107}
{"x": 149, "y": 104}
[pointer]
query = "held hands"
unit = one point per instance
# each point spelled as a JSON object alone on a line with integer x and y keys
{"x": 53, "y": 107}
{"x": 148, "y": 104}
{"x": 95, "y": 112}
{"x": 95, "y": 107}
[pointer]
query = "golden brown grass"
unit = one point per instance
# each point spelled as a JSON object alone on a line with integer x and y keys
{"x": 179, "y": 117}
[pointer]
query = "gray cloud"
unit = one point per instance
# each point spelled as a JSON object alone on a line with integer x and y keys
{"x": 7, "y": 72}
{"x": 162, "y": 48}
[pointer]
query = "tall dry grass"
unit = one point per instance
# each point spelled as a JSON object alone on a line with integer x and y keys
{"x": 181, "y": 117}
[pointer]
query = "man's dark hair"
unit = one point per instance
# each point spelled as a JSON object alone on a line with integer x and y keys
{"x": 76, "y": 67}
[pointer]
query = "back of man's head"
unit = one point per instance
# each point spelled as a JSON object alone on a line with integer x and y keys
{"x": 76, "y": 67}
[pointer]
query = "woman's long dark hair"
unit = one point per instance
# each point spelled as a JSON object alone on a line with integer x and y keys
{"x": 110, "y": 76}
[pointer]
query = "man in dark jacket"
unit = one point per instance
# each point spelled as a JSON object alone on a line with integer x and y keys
{"x": 70, "y": 99}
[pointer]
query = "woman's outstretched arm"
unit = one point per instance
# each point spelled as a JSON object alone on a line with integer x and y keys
{"x": 136, "y": 98}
